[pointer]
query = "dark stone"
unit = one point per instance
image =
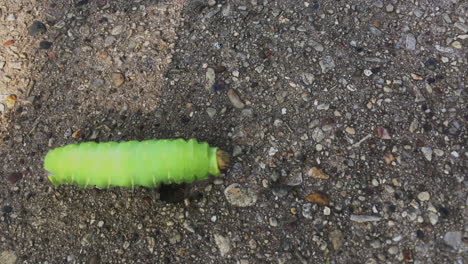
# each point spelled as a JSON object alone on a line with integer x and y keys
{"x": 81, "y": 3}
{"x": 279, "y": 191}
{"x": 444, "y": 212}
{"x": 454, "y": 128}
{"x": 431, "y": 64}
{"x": 7, "y": 209}
{"x": 101, "y": 3}
{"x": 45, "y": 44}
{"x": 219, "y": 86}
{"x": 219, "y": 69}
{"x": 420, "y": 234}
{"x": 427, "y": 127}
{"x": 103, "y": 20}
{"x": 37, "y": 28}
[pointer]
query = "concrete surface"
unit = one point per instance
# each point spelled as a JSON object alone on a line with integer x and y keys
{"x": 346, "y": 119}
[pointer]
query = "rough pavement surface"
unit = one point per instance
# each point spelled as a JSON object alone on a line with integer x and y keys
{"x": 346, "y": 120}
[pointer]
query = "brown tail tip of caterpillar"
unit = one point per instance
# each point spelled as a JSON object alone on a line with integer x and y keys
{"x": 223, "y": 159}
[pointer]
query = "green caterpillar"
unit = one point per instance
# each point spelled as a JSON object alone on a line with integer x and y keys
{"x": 146, "y": 163}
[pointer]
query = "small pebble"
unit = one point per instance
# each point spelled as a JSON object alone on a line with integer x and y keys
{"x": 410, "y": 42}
{"x": 10, "y": 101}
{"x": 118, "y": 79}
{"x": 319, "y": 147}
{"x": 211, "y": 112}
{"x": 420, "y": 234}
{"x": 461, "y": 26}
{"x": 427, "y": 152}
{"x": 389, "y": 8}
{"x": 317, "y": 46}
{"x": 433, "y": 218}
{"x": 210, "y": 78}
{"x": 416, "y": 77}
{"x": 10, "y": 17}
{"x": 350, "y": 130}
{"x": 336, "y": 238}
{"x": 37, "y": 28}
{"x": 235, "y": 99}
{"x": 326, "y": 210}
{"x": 273, "y": 222}
{"x": 453, "y": 239}
{"x": 376, "y": 244}
{"x": 323, "y": 106}
{"x": 294, "y": 179}
{"x": 424, "y": 196}
{"x": 307, "y": 211}
{"x": 247, "y": 112}
{"x": 375, "y": 182}
{"x": 318, "y": 135}
{"x": 223, "y": 243}
{"x": 240, "y": 196}
{"x": 393, "y": 250}
{"x": 318, "y": 198}
{"x": 7, "y": 209}
{"x": 279, "y": 191}
{"x": 457, "y": 44}
{"x": 365, "y": 218}
{"x": 327, "y": 64}
{"x": 211, "y": 2}
{"x": 317, "y": 174}
{"x": 236, "y": 151}
{"x": 117, "y": 30}
{"x": 45, "y": 44}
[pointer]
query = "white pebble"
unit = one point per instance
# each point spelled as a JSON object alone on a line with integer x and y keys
{"x": 424, "y": 196}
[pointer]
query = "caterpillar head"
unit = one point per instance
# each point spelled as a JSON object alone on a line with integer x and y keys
{"x": 223, "y": 159}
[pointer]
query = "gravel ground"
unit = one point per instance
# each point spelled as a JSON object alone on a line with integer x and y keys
{"x": 346, "y": 120}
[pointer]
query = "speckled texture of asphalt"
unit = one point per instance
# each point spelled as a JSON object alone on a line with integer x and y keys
{"x": 346, "y": 121}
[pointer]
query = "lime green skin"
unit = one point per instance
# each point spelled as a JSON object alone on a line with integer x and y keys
{"x": 146, "y": 163}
